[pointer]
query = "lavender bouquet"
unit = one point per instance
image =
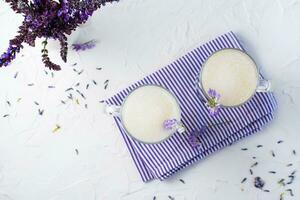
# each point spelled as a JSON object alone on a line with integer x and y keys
{"x": 49, "y": 19}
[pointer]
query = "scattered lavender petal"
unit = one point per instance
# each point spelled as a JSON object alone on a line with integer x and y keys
{"x": 171, "y": 198}
{"x": 8, "y": 103}
{"x": 69, "y": 89}
{"x": 30, "y": 84}
{"x": 77, "y": 152}
{"x": 281, "y": 182}
{"x": 80, "y": 72}
{"x": 98, "y": 68}
{"x": 290, "y": 191}
{"x": 258, "y": 182}
{"x": 51, "y": 86}
{"x": 84, "y": 46}
{"x": 272, "y": 172}
{"x": 87, "y": 86}
{"x": 289, "y": 165}
{"x": 294, "y": 152}
{"x": 244, "y": 149}
{"x": 36, "y": 103}
{"x": 77, "y": 84}
{"x": 16, "y": 75}
{"x": 259, "y": 146}
{"x": 279, "y": 141}
{"x": 6, "y": 115}
{"x": 182, "y": 181}
{"x": 251, "y": 172}
{"x": 94, "y": 82}
{"x": 243, "y": 180}
{"x": 272, "y": 152}
{"x": 254, "y": 164}
{"x": 41, "y": 112}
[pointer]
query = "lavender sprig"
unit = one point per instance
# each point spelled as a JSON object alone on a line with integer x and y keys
{"x": 84, "y": 46}
{"x": 48, "y": 19}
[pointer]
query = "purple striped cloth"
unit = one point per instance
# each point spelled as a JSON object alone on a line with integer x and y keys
{"x": 160, "y": 161}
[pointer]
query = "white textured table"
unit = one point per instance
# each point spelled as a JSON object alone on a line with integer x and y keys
{"x": 135, "y": 38}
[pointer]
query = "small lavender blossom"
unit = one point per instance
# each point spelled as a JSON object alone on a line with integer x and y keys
{"x": 213, "y": 102}
{"x": 169, "y": 123}
{"x": 84, "y": 46}
{"x": 194, "y": 137}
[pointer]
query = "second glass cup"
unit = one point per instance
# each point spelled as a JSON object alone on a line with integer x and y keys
{"x": 149, "y": 114}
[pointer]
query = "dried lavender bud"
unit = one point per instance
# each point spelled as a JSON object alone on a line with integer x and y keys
{"x": 244, "y": 149}
{"x": 254, "y": 164}
{"x": 171, "y": 198}
{"x": 273, "y": 154}
{"x": 259, "y": 146}
{"x": 251, "y": 172}
{"x": 281, "y": 182}
{"x": 84, "y": 46}
{"x": 290, "y": 191}
{"x": 244, "y": 179}
{"x": 258, "y": 182}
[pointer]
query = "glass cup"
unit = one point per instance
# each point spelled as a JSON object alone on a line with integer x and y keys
{"x": 261, "y": 84}
{"x": 148, "y": 108}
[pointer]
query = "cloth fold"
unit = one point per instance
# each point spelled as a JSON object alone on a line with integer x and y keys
{"x": 160, "y": 161}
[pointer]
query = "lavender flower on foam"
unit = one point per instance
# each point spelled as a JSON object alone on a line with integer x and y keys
{"x": 169, "y": 123}
{"x": 49, "y": 19}
{"x": 84, "y": 46}
{"x": 213, "y": 102}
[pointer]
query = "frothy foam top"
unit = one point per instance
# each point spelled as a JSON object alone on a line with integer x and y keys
{"x": 233, "y": 74}
{"x": 145, "y": 110}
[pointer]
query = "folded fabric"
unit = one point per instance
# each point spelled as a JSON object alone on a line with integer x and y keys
{"x": 166, "y": 158}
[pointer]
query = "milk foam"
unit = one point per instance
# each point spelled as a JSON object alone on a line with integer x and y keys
{"x": 145, "y": 110}
{"x": 233, "y": 74}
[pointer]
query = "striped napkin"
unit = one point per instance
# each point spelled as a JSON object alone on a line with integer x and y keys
{"x": 160, "y": 161}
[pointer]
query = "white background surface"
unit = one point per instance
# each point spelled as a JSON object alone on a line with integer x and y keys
{"x": 136, "y": 37}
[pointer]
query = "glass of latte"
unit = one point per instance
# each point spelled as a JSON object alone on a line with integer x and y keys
{"x": 144, "y": 112}
{"x": 234, "y": 75}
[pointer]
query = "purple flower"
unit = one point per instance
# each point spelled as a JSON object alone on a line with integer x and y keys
{"x": 169, "y": 123}
{"x": 213, "y": 94}
{"x": 212, "y": 103}
{"x": 194, "y": 137}
{"x": 84, "y": 46}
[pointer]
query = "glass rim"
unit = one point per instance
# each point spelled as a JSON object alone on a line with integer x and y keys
{"x": 199, "y": 77}
{"x": 125, "y": 99}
